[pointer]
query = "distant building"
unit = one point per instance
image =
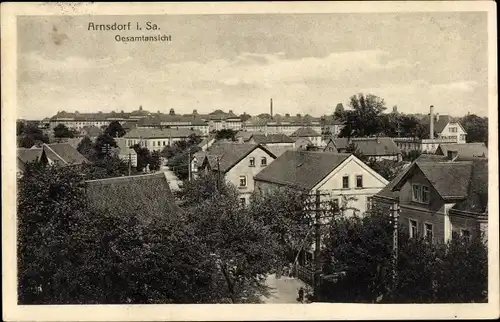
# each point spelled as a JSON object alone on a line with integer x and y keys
{"x": 238, "y": 163}
{"x": 276, "y": 143}
{"x": 309, "y": 134}
{"x": 155, "y": 139}
{"x": 380, "y": 148}
{"x": 464, "y": 150}
{"x": 440, "y": 197}
{"x": 58, "y": 153}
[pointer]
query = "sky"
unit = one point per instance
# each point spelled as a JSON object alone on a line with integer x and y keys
{"x": 307, "y": 63}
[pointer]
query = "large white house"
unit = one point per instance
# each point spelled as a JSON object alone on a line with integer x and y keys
{"x": 155, "y": 139}
{"x": 339, "y": 177}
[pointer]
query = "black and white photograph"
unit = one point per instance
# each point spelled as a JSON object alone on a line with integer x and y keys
{"x": 164, "y": 155}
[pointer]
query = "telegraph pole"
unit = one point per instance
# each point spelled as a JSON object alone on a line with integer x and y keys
{"x": 189, "y": 165}
{"x": 394, "y": 215}
{"x": 129, "y": 164}
{"x": 218, "y": 173}
{"x": 317, "y": 246}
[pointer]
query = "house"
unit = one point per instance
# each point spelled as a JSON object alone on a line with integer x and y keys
{"x": 91, "y": 131}
{"x": 57, "y": 153}
{"x": 379, "y": 148}
{"x": 238, "y": 163}
{"x": 308, "y": 133}
{"x": 196, "y": 162}
{"x": 445, "y": 128}
{"x": 155, "y": 139}
{"x": 276, "y": 143}
{"x": 147, "y": 196}
{"x": 340, "y": 177}
{"x": 440, "y": 197}
{"x": 464, "y": 150}
{"x": 128, "y": 154}
{"x": 302, "y": 143}
{"x": 206, "y": 143}
{"x": 243, "y": 136}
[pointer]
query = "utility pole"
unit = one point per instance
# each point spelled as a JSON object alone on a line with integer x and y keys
{"x": 189, "y": 165}
{"x": 218, "y": 173}
{"x": 129, "y": 163}
{"x": 395, "y": 210}
{"x": 317, "y": 246}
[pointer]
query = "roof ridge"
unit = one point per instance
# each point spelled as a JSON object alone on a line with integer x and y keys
{"x": 55, "y": 152}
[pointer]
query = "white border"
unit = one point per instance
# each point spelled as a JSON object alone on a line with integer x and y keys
{"x": 228, "y": 312}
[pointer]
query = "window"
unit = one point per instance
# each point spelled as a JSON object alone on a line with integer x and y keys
{"x": 243, "y": 181}
{"x": 413, "y": 229}
{"x": 369, "y": 203}
{"x": 263, "y": 162}
{"x": 420, "y": 193}
{"x": 465, "y": 233}
{"x": 153, "y": 143}
{"x": 163, "y": 143}
{"x": 252, "y": 162}
{"x": 453, "y": 129}
{"x": 359, "y": 181}
{"x": 428, "y": 232}
{"x": 243, "y": 202}
{"x": 336, "y": 204}
{"x": 345, "y": 182}
{"x": 159, "y": 143}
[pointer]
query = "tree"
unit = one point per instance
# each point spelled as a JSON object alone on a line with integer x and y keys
{"x": 115, "y": 130}
{"x": 288, "y": 214}
{"x": 339, "y": 112}
{"x": 364, "y": 119}
{"x": 225, "y": 134}
{"x": 71, "y": 253}
{"x": 426, "y": 272}
{"x": 242, "y": 247}
{"x": 143, "y": 157}
{"x": 155, "y": 162}
{"x": 85, "y": 147}
{"x": 476, "y": 128}
{"x": 30, "y": 135}
{"x": 103, "y": 145}
{"x": 245, "y": 117}
{"x": 61, "y": 131}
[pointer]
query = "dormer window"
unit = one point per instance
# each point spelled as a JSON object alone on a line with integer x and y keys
{"x": 263, "y": 161}
{"x": 420, "y": 193}
{"x": 252, "y": 162}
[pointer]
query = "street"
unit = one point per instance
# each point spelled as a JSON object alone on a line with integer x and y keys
{"x": 172, "y": 179}
{"x": 283, "y": 290}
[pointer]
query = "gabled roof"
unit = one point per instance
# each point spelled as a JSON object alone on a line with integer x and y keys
{"x": 465, "y": 182}
{"x": 376, "y": 146}
{"x": 305, "y": 132}
{"x": 278, "y": 150}
{"x": 29, "y": 155}
{"x": 245, "y": 135}
{"x": 440, "y": 124}
{"x": 301, "y": 169}
{"x": 271, "y": 138}
{"x": 64, "y": 152}
{"x": 145, "y": 195}
{"x": 153, "y": 133}
{"x": 468, "y": 150}
{"x": 369, "y": 146}
{"x": 230, "y": 154}
{"x": 477, "y": 194}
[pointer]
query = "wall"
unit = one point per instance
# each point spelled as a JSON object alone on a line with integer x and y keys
{"x": 453, "y": 131}
{"x": 372, "y": 184}
{"x": 243, "y": 168}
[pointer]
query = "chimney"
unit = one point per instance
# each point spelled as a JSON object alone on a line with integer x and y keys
{"x": 452, "y": 155}
{"x": 431, "y": 127}
{"x": 271, "y": 108}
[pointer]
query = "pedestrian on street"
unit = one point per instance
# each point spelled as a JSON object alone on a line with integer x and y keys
{"x": 301, "y": 295}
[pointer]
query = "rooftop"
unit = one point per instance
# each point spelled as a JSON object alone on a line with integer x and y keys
{"x": 301, "y": 169}
{"x": 230, "y": 153}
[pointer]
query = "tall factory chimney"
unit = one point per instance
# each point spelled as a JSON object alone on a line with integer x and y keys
{"x": 431, "y": 128}
{"x": 271, "y": 108}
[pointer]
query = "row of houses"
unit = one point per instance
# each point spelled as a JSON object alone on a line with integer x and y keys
{"x": 444, "y": 192}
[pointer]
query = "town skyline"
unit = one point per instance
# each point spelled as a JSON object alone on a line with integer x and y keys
{"x": 305, "y": 67}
